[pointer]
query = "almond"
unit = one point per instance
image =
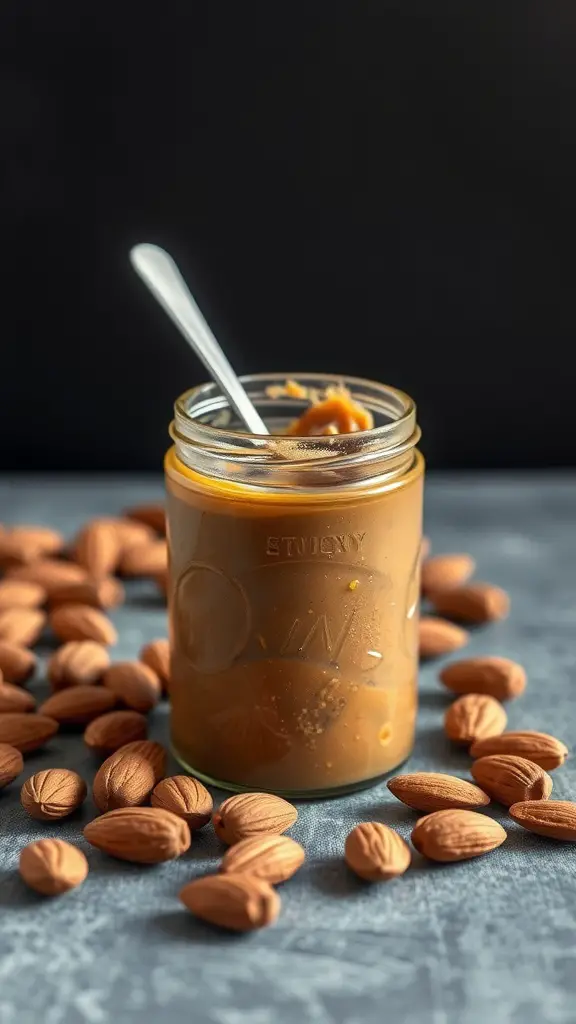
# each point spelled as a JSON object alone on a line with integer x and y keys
{"x": 16, "y": 663}
{"x": 156, "y": 655}
{"x": 52, "y": 866}
{"x": 50, "y": 573}
{"x": 11, "y": 764}
{"x": 144, "y": 835}
{"x": 250, "y": 814}
{"x": 80, "y": 622}
{"x": 553, "y": 818}
{"x": 456, "y": 835}
{"x": 474, "y": 716}
{"x": 52, "y": 794}
{"x": 511, "y": 779}
{"x": 432, "y": 791}
{"x": 238, "y": 902}
{"x": 437, "y": 637}
{"x": 26, "y": 732}
{"x": 186, "y": 797}
{"x": 14, "y": 698}
{"x": 272, "y": 858}
{"x": 538, "y": 747}
{"x": 105, "y": 593}
{"x": 113, "y": 730}
{"x": 162, "y": 582}
{"x": 133, "y": 683}
{"x": 153, "y": 752}
{"x": 153, "y": 516}
{"x": 25, "y": 544}
{"x": 131, "y": 533}
{"x": 145, "y": 559}
{"x": 78, "y": 663}
{"x": 20, "y": 594}
{"x": 78, "y": 705}
{"x": 97, "y": 548}
{"x": 375, "y": 852}
{"x": 21, "y": 626}
{"x": 474, "y": 603}
{"x": 497, "y": 677}
{"x": 445, "y": 571}
{"x": 126, "y": 779}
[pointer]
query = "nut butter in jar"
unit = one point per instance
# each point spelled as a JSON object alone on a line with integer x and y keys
{"x": 294, "y": 589}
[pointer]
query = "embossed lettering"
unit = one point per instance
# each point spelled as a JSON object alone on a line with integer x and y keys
{"x": 320, "y": 628}
{"x": 273, "y": 546}
{"x": 304, "y": 547}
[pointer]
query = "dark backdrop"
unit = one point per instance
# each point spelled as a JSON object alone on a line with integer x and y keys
{"x": 380, "y": 188}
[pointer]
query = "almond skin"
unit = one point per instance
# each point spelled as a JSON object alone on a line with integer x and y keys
{"x": 250, "y": 814}
{"x": 97, "y": 549}
{"x": 124, "y": 780}
{"x": 105, "y": 593}
{"x": 538, "y": 747}
{"x": 78, "y": 663}
{"x": 475, "y": 603}
{"x": 16, "y": 663}
{"x": 14, "y": 698}
{"x": 240, "y": 903}
{"x": 375, "y": 852}
{"x": 156, "y": 655}
{"x": 555, "y": 819}
{"x": 50, "y": 573}
{"x": 445, "y": 571}
{"x": 11, "y": 764}
{"x": 134, "y": 684}
{"x": 144, "y": 559}
{"x": 274, "y": 859}
{"x": 473, "y": 717}
{"x": 26, "y": 732}
{"x": 25, "y": 544}
{"x": 21, "y": 626}
{"x": 511, "y": 779}
{"x": 131, "y": 533}
{"x": 186, "y": 797}
{"x": 433, "y": 791}
{"x": 437, "y": 637}
{"x": 454, "y": 835}
{"x": 153, "y": 516}
{"x": 498, "y": 677}
{"x": 143, "y": 835}
{"x": 52, "y": 866}
{"x": 109, "y": 732}
{"x": 19, "y": 594}
{"x": 78, "y": 705}
{"x": 80, "y": 622}
{"x": 153, "y": 752}
{"x": 53, "y": 794}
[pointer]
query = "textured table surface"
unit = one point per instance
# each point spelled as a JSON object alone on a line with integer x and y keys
{"x": 493, "y": 940}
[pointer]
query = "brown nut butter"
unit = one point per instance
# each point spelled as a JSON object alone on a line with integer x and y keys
{"x": 294, "y": 586}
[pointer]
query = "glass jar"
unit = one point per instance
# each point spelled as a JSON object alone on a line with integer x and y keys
{"x": 294, "y": 591}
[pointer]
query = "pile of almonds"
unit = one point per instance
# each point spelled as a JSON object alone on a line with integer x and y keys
{"x": 147, "y": 818}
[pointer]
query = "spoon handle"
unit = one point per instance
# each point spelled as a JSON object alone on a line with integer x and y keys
{"x": 159, "y": 272}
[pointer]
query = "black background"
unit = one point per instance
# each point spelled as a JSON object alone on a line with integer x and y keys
{"x": 380, "y": 188}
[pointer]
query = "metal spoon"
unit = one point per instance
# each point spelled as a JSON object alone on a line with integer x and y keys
{"x": 158, "y": 270}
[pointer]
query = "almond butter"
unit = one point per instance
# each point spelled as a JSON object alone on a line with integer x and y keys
{"x": 474, "y": 716}
{"x": 153, "y": 752}
{"x": 53, "y": 794}
{"x": 454, "y": 835}
{"x": 555, "y": 819}
{"x": 250, "y": 814}
{"x": 125, "y": 779}
{"x": 144, "y": 559}
{"x": 11, "y": 764}
{"x": 433, "y": 791}
{"x": 240, "y": 903}
{"x": 153, "y": 516}
{"x": 538, "y": 747}
{"x": 26, "y": 732}
{"x": 144, "y": 835}
{"x": 473, "y": 603}
{"x": 80, "y": 622}
{"x": 511, "y": 779}
{"x": 445, "y": 571}
{"x": 16, "y": 663}
{"x": 134, "y": 684}
{"x": 375, "y": 852}
{"x": 25, "y": 544}
{"x": 107, "y": 733}
{"x": 272, "y": 858}
{"x": 20, "y": 594}
{"x": 186, "y": 797}
{"x": 52, "y": 866}
{"x": 78, "y": 663}
{"x": 105, "y": 593}
{"x": 156, "y": 655}
{"x": 50, "y": 573}
{"x": 437, "y": 637}
{"x": 97, "y": 549}
{"x": 21, "y": 626}
{"x": 78, "y": 705}
{"x": 498, "y": 677}
{"x": 14, "y": 698}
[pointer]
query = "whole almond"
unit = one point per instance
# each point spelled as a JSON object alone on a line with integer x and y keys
{"x": 454, "y": 835}
{"x": 81, "y": 622}
{"x": 144, "y": 559}
{"x": 21, "y": 626}
{"x": 153, "y": 752}
{"x": 538, "y": 747}
{"x": 474, "y": 716}
{"x": 11, "y": 764}
{"x": 272, "y": 858}
{"x": 498, "y": 677}
{"x": 105, "y": 593}
{"x": 14, "y": 698}
{"x": 156, "y": 655}
{"x": 251, "y": 814}
{"x": 186, "y": 797}
{"x": 474, "y": 603}
{"x": 78, "y": 663}
{"x": 52, "y": 866}
{"x": 52, "y": 794}
{"x": 437, "y": 637}
{"x": 125, "y": 779}
{"x": 16, "y": 663}
{"x": 20, "y": 594}
{"x": 240, "y": 903}
{"x": 153, "y": 516}
{"x": 26, "y": 732}
{"x": 50, "y": 573}
{"x": 433, "y": 791}
{"x": 25, "y": 544}
{"x": 445, "y": 571}
{"x": 555, "y": 819}
{"x": 134, "y": 684}
{"x": 144, "y": 835}
{"x": 97, "y": 548}
{"x": 375, "y": 852}
{"x": 511, "y": 779}
{"x": 78, "y": 705}
{"x": 131, "y": 533}
{"x": 109, "y": 732}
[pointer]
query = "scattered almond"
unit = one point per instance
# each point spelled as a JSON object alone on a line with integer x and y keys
{"x": 105, "y": 593}
{"x": 77, "y": 663}
{"x": 250, "y": 814}
{"x": 21, "y": 626}
{"x": 107, "y": 733}
{"x": 437, "y": 637}
{"x": 474, "y": 603}
{"x": 153, "y": 516}
{"x": 11, "y": 764}
{"x": 125, "y": 779}
{"x": 454, "y": 835}
{"x": 555, "y": 819}
{"x": 25, "y": 544}
{"x": 80, "y": 622}
{"x": 14, "y": 698}
{"x": 186, "y": 797}
{"x": 131, "y": 533}
{"x": 433, "y": 791}
{"x": 144, "y": 835}
{"x": 26, "y": 732}
{"x": 538, "y": 747}
{"x": 20, "y": 594}
{"x": 16, "y": 663}
{"x": 97, "y": 548}
{"x": 511, "y": 779}
{"x": 445, "y": 571}
{"x": 153, "y": 752}
{"x": 375, "y": 852}
{"x": 473, "y": 717}
{"x": 144, "y": 559}
{"x": 49, "y": 573}
{"x": 134, "y": 684}
{"x": 272, "y": 858}
{"x": 240, "y": 903}
{"x": 498, "y": 677}
{"x": 78, "y": 705}
{"x": 52, "y": 794}
{"x": 156, "y": 655}
{"x": 52, "y": 866}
